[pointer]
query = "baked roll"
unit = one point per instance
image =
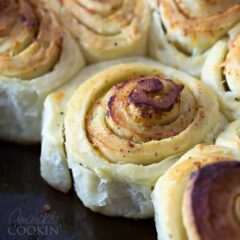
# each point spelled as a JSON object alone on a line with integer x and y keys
{"x": 230, "y": 137}
{"x": 182, "y": 31}
{"x": 106, "y": 29}
{"x": 54, "y": 166}
{"x": 36, "y": 56}
{"x": 127, "y": 125}
{"x": 221, "y": 72}
{"x": 199, "y": 197}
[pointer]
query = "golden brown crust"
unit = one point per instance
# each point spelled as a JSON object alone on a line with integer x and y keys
{"x": 106, "y": 29}
{"x": 31, "y": 40}
{"x": 199, "y": 23}
{"x": 37, "y": 55}
{"x": 142, "y": 109}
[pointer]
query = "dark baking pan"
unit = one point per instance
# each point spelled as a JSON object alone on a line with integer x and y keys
{"x": 30, "y": 209}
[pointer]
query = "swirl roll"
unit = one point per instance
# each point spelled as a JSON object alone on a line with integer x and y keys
{"x": 182, "y": 31}
{"x": 221, "y": 72}
{"x": 106, "y": 29}
{"x": 126, "y": 125}
{"x": 198, "y": 198}
{"x": 36, "y": 56}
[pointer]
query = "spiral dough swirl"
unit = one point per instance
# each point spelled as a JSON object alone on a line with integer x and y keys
{"x": 199, "y": 24}
{"x": 106, "y": 29}
{"x": 182, "y": 31}
{"x": 31, "y": 40}
{"x": 37, "y": 55}
{"x": 136, "y": 111}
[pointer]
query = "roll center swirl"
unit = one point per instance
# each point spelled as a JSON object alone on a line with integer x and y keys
{"x": 148, "y": 108}
{"x": 148, "y": 92}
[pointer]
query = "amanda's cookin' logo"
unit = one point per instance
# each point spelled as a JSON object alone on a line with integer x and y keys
{"x": 45, "y": 224}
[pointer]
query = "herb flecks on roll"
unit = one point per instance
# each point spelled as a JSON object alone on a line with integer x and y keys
{"x": 140, "y": 110}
